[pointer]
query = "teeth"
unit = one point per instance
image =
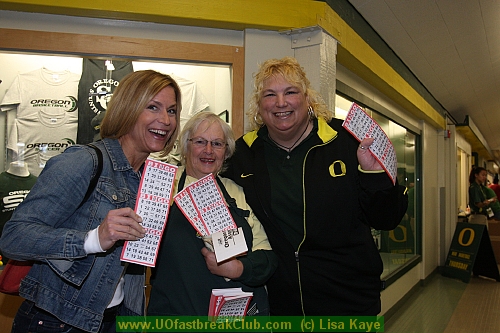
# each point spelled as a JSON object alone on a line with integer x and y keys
{"x": 282, "y": 114}
{"x": 159, "y": 132}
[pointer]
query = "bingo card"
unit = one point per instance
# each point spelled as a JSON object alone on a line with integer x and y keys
{"x": 203, "y": 205}
{"x": 152, "y": 204}
{"x": 361, "y": 125}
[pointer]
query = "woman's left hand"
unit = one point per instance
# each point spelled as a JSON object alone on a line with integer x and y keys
{"x": 366, "y": 160}
{"x": 232, "y": 268}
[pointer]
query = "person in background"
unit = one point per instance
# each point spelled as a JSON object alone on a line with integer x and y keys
{"x": 78, "y": 283}
{"x": 495, "y": 204}
{"x": 186, "y": 272}
{"x": 495, "y": 187}
{"x": 478, "y": 201}
{"x": 317, "y": 192}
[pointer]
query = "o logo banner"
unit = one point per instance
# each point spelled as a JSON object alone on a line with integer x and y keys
{"x": 461, "y": 236}
{"x": 392, "y": 235}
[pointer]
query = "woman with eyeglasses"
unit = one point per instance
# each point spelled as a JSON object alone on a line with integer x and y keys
{"x": 186, "y": 271}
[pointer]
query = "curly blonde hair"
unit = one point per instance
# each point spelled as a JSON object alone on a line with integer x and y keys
{"x": 291, "y": 71}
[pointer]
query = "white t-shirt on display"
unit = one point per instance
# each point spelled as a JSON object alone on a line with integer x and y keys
{"x": 45, "y": 135}
{"x": 46, "y": 114}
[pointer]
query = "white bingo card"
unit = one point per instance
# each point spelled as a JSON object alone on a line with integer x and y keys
{"x": 186, "y": 204}
{"x": 203, "y": 205}
{"x": 234, "y": 306}
{"x": 361, "y": 125}
{"x": 153, "y": 205}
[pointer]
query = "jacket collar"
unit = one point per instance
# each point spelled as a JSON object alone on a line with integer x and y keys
{"x": 325, "y": 133}
{"x": 116, "y": 154}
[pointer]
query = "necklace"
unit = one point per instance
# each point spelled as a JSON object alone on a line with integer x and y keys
{"x": 289, "y": 149}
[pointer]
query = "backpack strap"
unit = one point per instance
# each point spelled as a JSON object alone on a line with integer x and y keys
{"x": 231, "y": 202}
{"x": 95, "y": 179}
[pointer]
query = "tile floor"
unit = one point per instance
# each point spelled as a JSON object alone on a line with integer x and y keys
{"x": 446, "y": 305}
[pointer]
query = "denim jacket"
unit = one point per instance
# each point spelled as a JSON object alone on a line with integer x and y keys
{"x": 48, "y": 227}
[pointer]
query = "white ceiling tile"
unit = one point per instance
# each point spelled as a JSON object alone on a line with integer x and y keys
{"x": 452, "y": 47}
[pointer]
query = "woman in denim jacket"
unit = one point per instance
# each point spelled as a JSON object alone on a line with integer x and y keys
{"x": 78, "y": 282}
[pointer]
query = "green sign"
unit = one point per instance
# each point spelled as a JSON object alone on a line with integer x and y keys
{"x": 471, "y": 253}
{"x": 250, "y": 324}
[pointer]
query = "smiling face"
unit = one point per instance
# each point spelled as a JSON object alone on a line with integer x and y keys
{"x": 203, "y": 160}
{"x": 283, "y": 109}
{"x": 153, "y": 128}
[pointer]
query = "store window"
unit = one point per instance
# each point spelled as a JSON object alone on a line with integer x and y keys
{"x": 51, "y": 102}
{"x": 399, "y": 246}
{"x": 223, "y": 87}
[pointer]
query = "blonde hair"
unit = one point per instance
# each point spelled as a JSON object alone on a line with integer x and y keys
{"x": 130, "y": 99}
{"x": 192, "y": 126}
{"x": 291, "y": 71}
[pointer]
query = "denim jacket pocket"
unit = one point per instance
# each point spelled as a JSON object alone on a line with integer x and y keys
{"x": 119, "y": 197}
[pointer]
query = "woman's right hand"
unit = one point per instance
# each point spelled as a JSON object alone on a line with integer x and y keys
{"x": 120, "y": 224}
{"x": 366, "y": 160}
{"x": 231, "y": 269}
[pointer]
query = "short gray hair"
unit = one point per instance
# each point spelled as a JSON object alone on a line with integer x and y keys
{"x": 192, "y": 126}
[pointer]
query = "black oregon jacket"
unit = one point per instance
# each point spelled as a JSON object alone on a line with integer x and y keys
{"x": 336, "y": 268}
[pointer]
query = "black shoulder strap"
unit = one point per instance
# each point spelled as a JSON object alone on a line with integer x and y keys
{"x": 231, "y": 202}
{"x": 95, "y": 179}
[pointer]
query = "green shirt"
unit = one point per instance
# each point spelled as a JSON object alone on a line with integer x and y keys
{"x": 477, "y": 193}
{"x": 491, "y": 194}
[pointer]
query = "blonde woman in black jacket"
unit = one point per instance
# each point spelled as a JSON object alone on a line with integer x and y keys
{"x": 317, "y": 192}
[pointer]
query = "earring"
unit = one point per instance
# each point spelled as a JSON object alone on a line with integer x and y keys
{"x": 310, "y": 112}
{"x": 255, "y": 119}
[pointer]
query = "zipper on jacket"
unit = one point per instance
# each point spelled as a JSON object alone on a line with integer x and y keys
{"x": 305, "y": 228}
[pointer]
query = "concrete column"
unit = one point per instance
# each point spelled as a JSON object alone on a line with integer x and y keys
{"x": 316, "y": 51}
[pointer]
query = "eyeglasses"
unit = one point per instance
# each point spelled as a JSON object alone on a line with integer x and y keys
{"x": 200, "y": 142}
